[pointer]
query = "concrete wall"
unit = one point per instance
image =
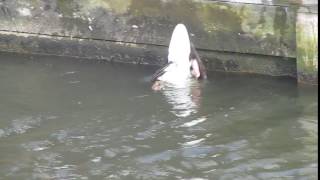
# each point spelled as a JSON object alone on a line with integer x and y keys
{"x": 256, "y": 36}
{"x": 307, "y": 46}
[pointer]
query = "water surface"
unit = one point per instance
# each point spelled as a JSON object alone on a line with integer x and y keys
{"x": 65, "y": 118}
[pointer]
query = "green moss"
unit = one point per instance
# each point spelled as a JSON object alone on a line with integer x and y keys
{"x": 119, "y": 6}
{"x": 66, "y": 7}
{"x": 307, "y": 50}
{"x": 213, "y": 18}
{"x": 116, "y": 6}
{"x": 217, "y": 17}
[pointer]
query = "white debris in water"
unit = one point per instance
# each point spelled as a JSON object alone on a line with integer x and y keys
{"x": 24, "y": 11}
{"x": 97, "y": 159}
{"x": 194, "y": 122}
{"x": 226, "y": 115}
{"x": 135, "y": 26}
{"x": 90, "y": 28}
{"x": 231, "y": 108}
{"x": 191, "y": 143}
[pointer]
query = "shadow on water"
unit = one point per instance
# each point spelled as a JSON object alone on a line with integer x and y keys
{"x": 65, "y": 118}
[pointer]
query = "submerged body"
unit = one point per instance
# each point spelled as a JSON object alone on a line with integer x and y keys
{"x": 183, "y": 62}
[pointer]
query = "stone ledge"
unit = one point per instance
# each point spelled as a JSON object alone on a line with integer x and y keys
{"x": 142, "y": 54}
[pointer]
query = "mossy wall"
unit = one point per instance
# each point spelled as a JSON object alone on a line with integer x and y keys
{"x": 307, "y": 47}
{"x": 266, "y": 28}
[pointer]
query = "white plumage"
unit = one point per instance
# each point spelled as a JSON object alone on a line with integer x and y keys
{"x": 178, "y": 72}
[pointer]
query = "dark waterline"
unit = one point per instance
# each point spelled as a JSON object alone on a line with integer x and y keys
{"x": 65, "y": 118}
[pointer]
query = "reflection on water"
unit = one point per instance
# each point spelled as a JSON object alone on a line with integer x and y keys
{"x": 185, "y": 101}
{"x": 63, "y": 118}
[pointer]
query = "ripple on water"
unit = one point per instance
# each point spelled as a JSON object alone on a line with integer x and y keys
{"x": 37, "y": 145}
{"x": 194, "y": 122}
{"x": 234, "y": 128}
{"x": 198, "y": 151}
{"x": 300, "y": 173}
{"x": 194, "y": 142}
{"x": 162, "y": 156}
{"x": 24, "y": 124}
{"x": 109, "y": 153}
{"x": 50, "y": 165}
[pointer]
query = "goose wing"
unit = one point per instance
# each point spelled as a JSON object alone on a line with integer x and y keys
{"x": 160, "y": 71}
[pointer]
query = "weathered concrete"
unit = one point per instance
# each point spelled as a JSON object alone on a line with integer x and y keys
{"x": 84, "y": 48}
{"x": 307, "y": 47}
{"x": 232, "y": 27}
{"x": 257, "y": 37}
{"x": 142, "y": 53}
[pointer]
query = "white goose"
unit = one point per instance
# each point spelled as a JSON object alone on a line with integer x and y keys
{"x": 183, "y": 61}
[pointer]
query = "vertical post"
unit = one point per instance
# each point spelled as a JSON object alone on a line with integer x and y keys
{"x": 307, "y": 46}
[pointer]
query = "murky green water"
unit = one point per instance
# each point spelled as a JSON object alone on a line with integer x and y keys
{"x": 63, "y": 118}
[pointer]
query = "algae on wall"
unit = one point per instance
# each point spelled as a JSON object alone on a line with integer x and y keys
{"x": 264, "y": 28}
{"x": 269, "y": 29}
{"x": 307, "y": 47}
{"x": 219, "y": 26}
